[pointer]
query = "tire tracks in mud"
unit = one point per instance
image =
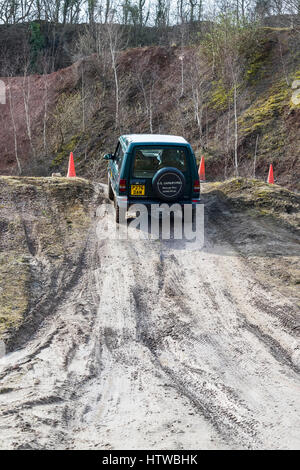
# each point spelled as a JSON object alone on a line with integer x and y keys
{"x": 40, "y": 373}
{"x": 241, "y": 426}
{"x": 277, "y": 351}
{"x": 227, "y": 223}
{"x": 156, "y": 347}
{"x": 47, "y": 304}
{"x": 231, "y": 422}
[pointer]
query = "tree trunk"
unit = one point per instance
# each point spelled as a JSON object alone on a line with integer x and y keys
{"x": 255, "y": 155}
{"x": 235, "y": 133}
{"x": 14, "y": 130}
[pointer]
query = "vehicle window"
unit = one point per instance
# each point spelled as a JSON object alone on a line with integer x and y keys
{"x": 119, "y": 154}
{"x": 147, "y": 161}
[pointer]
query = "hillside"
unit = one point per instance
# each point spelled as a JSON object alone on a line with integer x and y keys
{"x": 74, "y": 109}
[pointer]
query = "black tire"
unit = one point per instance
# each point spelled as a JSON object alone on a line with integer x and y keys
{"x": 117, "y": 213}
{"x": 110, "y": 191}
{"x": 193, "y": 215}
{"x": 168, "y": 184}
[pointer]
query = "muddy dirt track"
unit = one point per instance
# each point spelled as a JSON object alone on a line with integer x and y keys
{"x": 160, "y": 345}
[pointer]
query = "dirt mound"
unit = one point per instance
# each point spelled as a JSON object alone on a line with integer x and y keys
{"x": 265, "y": 199}
{"x": 44, "y": 226}
{"x": 263, "y": 222}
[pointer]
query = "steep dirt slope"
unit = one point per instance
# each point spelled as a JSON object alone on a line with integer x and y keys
{"x": 30, "y": 102}
{"x": 263, "y": 223}
{"x": 44, "y": 230}
{"x": 166, "y": 344}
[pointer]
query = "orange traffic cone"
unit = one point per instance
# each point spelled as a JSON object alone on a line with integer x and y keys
{"x": 271, "y": 176}
{"x": 201, "y": 171}
{"x": 71, "y": 169}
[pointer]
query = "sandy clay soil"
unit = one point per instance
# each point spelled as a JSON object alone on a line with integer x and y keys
{"x": 164, "y": 345}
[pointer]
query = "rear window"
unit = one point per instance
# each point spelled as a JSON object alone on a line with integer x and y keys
{"x": 147, "y": 161}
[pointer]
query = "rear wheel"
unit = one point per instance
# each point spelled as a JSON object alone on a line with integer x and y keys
{"x": 193, "y": 214}
{"x": 110, "y": 191}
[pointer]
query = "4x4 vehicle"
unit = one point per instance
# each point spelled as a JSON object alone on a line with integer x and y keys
{"x": 151, "y": 169}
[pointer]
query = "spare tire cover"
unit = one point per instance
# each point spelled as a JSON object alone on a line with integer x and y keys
{"x": 168, "y": 184}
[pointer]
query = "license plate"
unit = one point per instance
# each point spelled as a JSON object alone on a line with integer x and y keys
{"x": 137, "y": 190}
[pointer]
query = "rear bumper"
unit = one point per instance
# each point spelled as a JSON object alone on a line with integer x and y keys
{"x": 126, "y": 203}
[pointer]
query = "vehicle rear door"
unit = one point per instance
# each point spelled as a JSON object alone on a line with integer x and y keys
{"x": 141, "y": 177}
{"x": 142, "y": 172}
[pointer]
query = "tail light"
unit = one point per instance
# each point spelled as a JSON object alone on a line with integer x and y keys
{"x": 197, "y": 186}
{"x": 122, "y": 186}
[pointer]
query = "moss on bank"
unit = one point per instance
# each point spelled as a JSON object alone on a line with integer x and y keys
{"x": 14, "y": 290}
{"x": 64, "y": 151}
{"x": 264, "y": 110}
{"x": 220, "y": 97}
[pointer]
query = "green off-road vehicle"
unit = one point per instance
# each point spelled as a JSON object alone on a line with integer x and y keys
{"x": 152, "y": 169}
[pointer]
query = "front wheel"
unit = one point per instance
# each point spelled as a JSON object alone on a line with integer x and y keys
{"x": 110, "y": 191}
{"x": 117, "y": 213}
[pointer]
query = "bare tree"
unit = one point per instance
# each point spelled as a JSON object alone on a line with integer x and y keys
{"x": 193, "y": 4}
{"x": 198, "y": 79}
{"x": 83, "y": 95}
{"x": 224, "y": 42}
{"x": 255, "y": 155}
{"x": 162, "y": 13}
{"x": 45, "y": 100}
{"x": 26, "y": 89}
{"x": 115, "y": 44}
{"x": 147, "y": 78}
{"x": 235, "y": 126}
{"x": 12, "y": 114}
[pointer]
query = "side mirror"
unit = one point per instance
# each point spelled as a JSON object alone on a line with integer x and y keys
{"x": 108, "y": 156}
